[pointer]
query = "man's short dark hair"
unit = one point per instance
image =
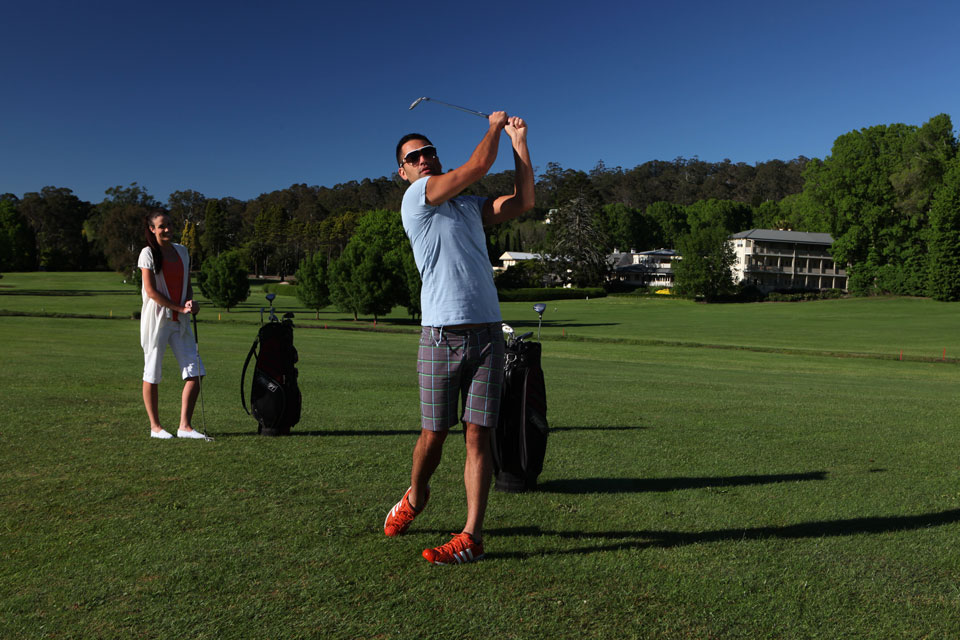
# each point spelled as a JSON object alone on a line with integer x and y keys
{"x": 407, "y": 138}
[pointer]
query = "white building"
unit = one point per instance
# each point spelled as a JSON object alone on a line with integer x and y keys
{"x": 644, "y": 268}
{"x": 510, "y": 258}
{"x": 772, "y": 259}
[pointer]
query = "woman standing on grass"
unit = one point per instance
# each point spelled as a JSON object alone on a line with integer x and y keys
{"x": 165, "y": 320}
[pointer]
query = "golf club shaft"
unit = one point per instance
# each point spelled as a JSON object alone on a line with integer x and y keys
{"x": 196, "y": 338}
{"x": 476, "y": 113}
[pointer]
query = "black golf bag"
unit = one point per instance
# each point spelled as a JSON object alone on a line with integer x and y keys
{"x": 274, "y": 395}
{"x": 520, "y": 440}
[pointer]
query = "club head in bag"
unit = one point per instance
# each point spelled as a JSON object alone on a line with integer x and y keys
{"x": 539, "y": 308}
{"x": 270, "y": 297}
{"x": 507, "y": 332}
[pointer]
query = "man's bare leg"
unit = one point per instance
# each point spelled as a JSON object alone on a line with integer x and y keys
{"x": 477, "y": 473}
{"x": 426, "y": 459}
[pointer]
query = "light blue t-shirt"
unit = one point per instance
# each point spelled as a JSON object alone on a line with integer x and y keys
{"x": 450, "y": 249}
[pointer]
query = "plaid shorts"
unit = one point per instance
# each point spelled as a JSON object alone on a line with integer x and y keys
{"x": 455, "y": 362}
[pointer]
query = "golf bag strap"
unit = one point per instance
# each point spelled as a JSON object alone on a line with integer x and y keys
{"x": 243, "y": 374}
{"x": 523, "y": 414}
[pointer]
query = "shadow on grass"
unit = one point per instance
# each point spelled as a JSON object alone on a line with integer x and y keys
{"x": 642, "y": 485}
{"x": 664, "y": 539}
{"x": 610, "y": 428}
{"x": 69, "y": 292}
{"x": 556, "y": 324}
{"x": 377, "y": 431}
{"x": 326, "y": 432}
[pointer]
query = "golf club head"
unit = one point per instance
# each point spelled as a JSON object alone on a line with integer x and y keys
{"x": 271, "y": 296}
{"x": 418, "y": 101}
{"x": 507, "y": 329}
{"x": 540, "y": 308}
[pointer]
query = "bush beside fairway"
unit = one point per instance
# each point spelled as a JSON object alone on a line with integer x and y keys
{"x": 688, "y": 492}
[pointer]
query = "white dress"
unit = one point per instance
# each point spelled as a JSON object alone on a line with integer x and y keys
{"x": 151, "y": 313}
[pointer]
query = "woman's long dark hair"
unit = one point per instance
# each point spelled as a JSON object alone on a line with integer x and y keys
{"x": 152, "y": 240}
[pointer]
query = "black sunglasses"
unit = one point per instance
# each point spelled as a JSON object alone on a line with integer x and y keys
{"x": 412, "y": 157}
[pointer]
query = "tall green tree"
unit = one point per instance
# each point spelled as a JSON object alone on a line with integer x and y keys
{"x": 57, "y": 218}
{"x": 262, "y": 244}
{"x": 732, "y": 216}
{"x": 705, "y": 269}
{"x": 943, "y": 278}
{"x": 372, "y": 275}
{"x": 18, "y": 249}
{"x": 876, "y": 188}
{"x": 186, "y": 206}
{"x": 312, "y": 288}
{"x": 797, "y": 212}
{"x": 215, "y": 238}
{"x": 672, "y": 220}
{"x": 188, "y": 238}
{"x": 335, "y": 232}
{"x": 577, "y": 243}
{"x": 628, "y": 228}
{"x": 119, "y": 224}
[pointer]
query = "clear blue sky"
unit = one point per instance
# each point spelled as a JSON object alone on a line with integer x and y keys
{"x": 241, "y": 98}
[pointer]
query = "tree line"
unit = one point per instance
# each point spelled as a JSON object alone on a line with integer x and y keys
{"x": 54, "y": 230}
{"x": 888, "y": 194}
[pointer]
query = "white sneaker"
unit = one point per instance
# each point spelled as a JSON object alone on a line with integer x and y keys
{"x": 190, "y": 434}
{"x": 162, "y": 434}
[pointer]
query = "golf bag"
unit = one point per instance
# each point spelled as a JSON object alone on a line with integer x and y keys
{"x": 520, "y": 440}
{"x": 275, "y": 399}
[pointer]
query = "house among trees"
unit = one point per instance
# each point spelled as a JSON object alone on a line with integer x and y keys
{"x": 645, "y": 268}
{"x": 777, "y": 260}
{"x": 510, "y": 258}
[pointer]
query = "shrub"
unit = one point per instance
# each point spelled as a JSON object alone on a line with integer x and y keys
{"x": 223, "y": 279}
{"x": 551, "y": 293}
{"x": 281, "y": 289}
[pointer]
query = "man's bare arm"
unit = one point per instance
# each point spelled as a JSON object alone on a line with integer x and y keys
{"x": 448, "y": 185}
{"x": 522, "y": 199}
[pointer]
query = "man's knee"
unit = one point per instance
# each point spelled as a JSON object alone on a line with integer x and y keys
{"x": 477, "y": 437}
{"x": 432, "y": 440}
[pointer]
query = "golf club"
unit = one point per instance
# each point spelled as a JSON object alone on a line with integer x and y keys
{"x": 273, "y": 316}
{"x": 507, "y": 332}
{"x": 539, "y": 308}
{"x": 476, "y": 113}
{"x": 203, "y": 416}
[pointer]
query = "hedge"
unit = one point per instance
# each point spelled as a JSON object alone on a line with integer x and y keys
{"x": 281, "y": 289}
{"x": 506, "y": 295}
{"x": 552, "y": 293}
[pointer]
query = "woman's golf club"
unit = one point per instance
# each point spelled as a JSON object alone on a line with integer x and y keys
{"x": 203, "y": 417}
{"x": 476, "y": 113}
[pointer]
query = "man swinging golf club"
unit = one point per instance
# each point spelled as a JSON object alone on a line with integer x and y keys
{"x": 461, "y": 343}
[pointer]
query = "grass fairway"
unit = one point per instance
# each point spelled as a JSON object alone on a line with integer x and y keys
{"x": 688, "y": 492}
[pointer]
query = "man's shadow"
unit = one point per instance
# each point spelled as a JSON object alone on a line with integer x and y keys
{"x": 666, "y": 539}
{"x": 642, "y": 485}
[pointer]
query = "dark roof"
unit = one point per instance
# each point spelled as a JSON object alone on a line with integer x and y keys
{"x": 776, "y": 235}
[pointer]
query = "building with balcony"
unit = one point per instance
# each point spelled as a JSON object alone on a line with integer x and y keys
{"x": 783, "y": 260}
{"x": 644, "y": 268}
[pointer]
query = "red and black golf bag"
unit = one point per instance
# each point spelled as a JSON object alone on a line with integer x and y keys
{"x": 520, "y": 440}
{"x": 275, "y": 399}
